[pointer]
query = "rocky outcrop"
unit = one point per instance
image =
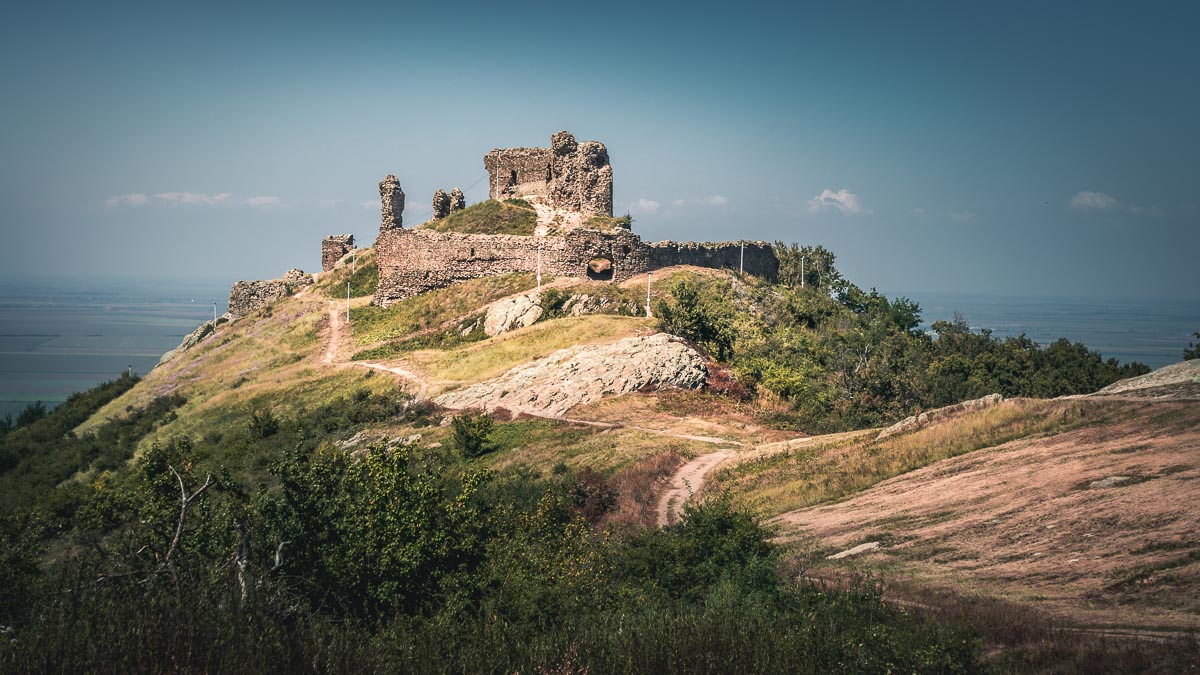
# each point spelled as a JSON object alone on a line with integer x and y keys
{"x": 334, "y": 248}
{"x": 926, "y": 418}
{"x": 458, "y": 201}
{"x": 1178, "y": 380}
{"x": 577, "y": 375}
{"x": 391, "y": 204}
{"x": 192, "y": 339}
{"x": 247, "y": 296}
{"x": 512, "y": 313}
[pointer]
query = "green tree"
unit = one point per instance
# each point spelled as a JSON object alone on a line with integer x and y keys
{"x": 472, "y": 434}
{"x": 1192, "y": 351}
{"x": 703, "y": 315}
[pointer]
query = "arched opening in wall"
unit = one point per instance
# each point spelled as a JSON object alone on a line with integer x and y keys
{"x": 600, "y": 269}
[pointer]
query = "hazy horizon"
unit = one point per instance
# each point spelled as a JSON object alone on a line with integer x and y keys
{"x": 1025, "y": 149}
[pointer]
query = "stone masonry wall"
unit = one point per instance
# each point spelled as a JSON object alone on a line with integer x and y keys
{"x": 569, "y": 175}
{"x": 334, "y": 248}
{"x": 247, "y": 296}
{"x": 412, "y": 262}
{"x": 759, "y": 260}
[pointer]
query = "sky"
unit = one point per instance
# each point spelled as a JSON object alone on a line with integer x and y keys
{"x": 1012, "y": 148}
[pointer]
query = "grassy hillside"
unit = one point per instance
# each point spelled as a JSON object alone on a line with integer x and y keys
{"x": 512, "y": 216}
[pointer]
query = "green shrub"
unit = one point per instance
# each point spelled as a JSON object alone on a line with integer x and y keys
{"x": 472, "y": 434}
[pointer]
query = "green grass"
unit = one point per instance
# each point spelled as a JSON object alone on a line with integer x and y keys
{"x": 373, "y": 325}
{"x": 490, "y": 358}
{"x": 513, "y": 216}
{"x": 603, "y": 222}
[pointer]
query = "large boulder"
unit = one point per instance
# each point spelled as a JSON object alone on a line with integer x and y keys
{"x": 511, "y": 313}
{"x": 573, "y": 376}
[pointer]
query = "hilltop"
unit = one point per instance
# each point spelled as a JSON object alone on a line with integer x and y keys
{"x": 524, "y": 432}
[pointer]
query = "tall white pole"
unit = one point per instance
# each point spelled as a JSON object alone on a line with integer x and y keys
{"x": 214, "y": 314}
{"x": 648, "y": 315}
{"x": 742, "y": 259}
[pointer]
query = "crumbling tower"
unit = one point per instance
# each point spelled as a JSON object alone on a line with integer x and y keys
{"x": 569, "y": 175}
{"x": 441, "y": 204}
{"x": 458, "y": 201}
{"x": 334, "y": 248}
{"x": 391, "y": 204}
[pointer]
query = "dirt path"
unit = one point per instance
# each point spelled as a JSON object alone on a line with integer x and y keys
{"x": 685, "y": 483}
{"x": 689, "y": 478}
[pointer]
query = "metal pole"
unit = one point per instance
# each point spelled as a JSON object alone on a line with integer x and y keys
{"x": 648, "y": 314}
{"x": 742, "y": 259}
{"x": 214, "y": 314}
{"x": 802, "y": 272}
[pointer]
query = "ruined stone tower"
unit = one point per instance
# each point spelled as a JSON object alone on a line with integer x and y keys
{"x": 441, "y": 204}
{"x": 458, "y": 201}
{"x": 391, "y": 204}
{"x": 334, "y": 248}
{"x": 568, "y": 175}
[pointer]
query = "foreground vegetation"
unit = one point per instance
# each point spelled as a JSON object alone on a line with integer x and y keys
{"x": 395, "y": 558}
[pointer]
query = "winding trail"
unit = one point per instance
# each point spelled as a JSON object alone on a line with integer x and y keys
{"x": 683, "y": 484}
{"x": 689, "y": 478}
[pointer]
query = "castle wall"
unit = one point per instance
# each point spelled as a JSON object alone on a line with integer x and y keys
{"x": 759, "y": 259}
{"x": 247, "y": 296}
{"x": 568, "y": 175}
{"x": 412, "y": 262}
{"x": 518, "y": 172}
{"x": 334, "y": 248}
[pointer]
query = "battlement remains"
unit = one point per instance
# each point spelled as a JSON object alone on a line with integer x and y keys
{"x": 568, "y": 175}
{"x": 334, "y": 248}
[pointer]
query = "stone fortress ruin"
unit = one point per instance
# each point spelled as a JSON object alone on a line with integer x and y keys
{"x": 570, "y": 186}
{"x": 569, "y": 178}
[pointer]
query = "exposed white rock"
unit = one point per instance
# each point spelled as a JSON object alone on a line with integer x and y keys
{"x": 512, "y": 313}
{"x": 918, "y": 421}
{"x": 576, "y": 375}
{"x": 1183, "y": 373}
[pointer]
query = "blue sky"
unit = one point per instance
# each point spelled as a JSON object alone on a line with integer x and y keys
{"x": 1018, "y": 148}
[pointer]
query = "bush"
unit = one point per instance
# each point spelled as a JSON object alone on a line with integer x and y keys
{"x": 471, "y": 434}
{"x": 263, "y": 424}
{"x": 701, "y": 315}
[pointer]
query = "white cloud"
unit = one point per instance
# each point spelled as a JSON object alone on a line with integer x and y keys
{"x": 330, "y": 203}
{"x": 193, "y": 198}
{"x": 961, "y": 217}
{"x": 918, "y": 212}
{"x": 1146, "y": 211}
{"x": 370, "y": 203}
{"x": 842, "y": 200}
{"x": 647, "y": 205}
{"x": 710, "y": 200}
{"x": 262, "y": 200}
{"x": 1093, "y": 201}
{"x": 130, "y": 199}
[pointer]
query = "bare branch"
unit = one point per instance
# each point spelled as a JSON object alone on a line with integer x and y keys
{"x": 185, "y": 501}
